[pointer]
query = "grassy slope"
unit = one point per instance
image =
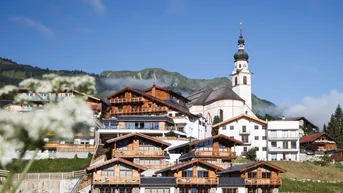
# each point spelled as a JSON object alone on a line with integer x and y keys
{"x": 53, "y": 165}
{"x": 307, "y": 170}
{"x": 310, "y": 187}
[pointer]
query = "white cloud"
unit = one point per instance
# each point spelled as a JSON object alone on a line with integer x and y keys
{"x": 317, "y": 110}
{"x": 97, "y": 5}
{"x": 44, "y": 30}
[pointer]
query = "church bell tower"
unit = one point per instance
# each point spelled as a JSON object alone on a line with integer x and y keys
{"x": 241, "y": 75}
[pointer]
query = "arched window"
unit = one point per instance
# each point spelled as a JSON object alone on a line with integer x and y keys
{"x": 244, "y": 80}
{"x": 209, "y": 118}
{"x": 240, "y": 65}
{"x": 221, "y": 115}
{"x": 236, "y": 81}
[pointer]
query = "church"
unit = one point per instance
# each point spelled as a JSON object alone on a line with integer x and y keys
{"x": 227, "y": 101}
{"x": 233, "y": 105}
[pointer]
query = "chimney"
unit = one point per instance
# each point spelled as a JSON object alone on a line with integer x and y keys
{"x": 153, "y": 90}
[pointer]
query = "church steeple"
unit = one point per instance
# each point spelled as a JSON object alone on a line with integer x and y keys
{"x": 241, "y": 75}
{"x": 241, "y": 54}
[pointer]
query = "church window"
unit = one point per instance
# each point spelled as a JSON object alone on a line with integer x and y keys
{"x": 232, "y": 127}
{"x": 236, "y": 81}
{"x": 244, "y": 80}
{"x": 246, "y": 112}
{"x": 240, "y": 65}
{"x": 221, "y": 114}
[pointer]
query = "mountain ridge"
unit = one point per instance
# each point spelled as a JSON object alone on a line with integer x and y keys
{"x": 109, "y": 81}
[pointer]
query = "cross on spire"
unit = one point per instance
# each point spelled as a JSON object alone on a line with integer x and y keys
{"x": 240, "y": 23}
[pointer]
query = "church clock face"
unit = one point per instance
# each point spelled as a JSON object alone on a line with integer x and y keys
{"x": 244, "y": 65}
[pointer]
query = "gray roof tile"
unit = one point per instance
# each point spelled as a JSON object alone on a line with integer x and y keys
{"x": 230, "y": 181}
{"x": 209, "y": 95}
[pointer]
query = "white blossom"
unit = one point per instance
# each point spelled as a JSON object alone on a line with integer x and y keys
{"x": 7, "y": 149}
{"x": 7, "y": 89}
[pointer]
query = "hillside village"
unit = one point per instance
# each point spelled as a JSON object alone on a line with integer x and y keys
{"x": 158, "y": 141}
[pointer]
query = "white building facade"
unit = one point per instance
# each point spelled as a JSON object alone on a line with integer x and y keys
{"x": 250, "y": 130}
{"x": 283, "y": 140}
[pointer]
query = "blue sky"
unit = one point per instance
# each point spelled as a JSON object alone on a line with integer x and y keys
{"x": 294, "y": 45}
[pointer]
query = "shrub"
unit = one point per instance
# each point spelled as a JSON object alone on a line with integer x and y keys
{"x": 251, "y": 154}
{"x": 324, "y": 161}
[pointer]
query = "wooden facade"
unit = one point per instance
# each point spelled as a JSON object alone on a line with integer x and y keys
{"x": 155, "y": 100}
{"x": 338, "y": 155}
{"x": 258, "y": 174}
{"x": 215, "y": 147}
{"x": 195, "y": 172}
{"x": 116, "y": 171}
{"x": 318, "y": 142}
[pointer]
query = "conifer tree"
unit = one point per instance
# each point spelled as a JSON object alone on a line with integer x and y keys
{"x": 335, "y": 126}
{"x": 216, "y": 119}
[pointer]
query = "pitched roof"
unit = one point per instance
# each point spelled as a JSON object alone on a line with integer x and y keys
{"x": 116, "y": 160}
{"x": 301, "y": 118}
{"x": 151, "y": 98}
{"x": 157, "y": 181}
{"x": 226, "y": 138}
{"x": 167, "y": 90}
{"x": 313, "y": 137}
{"x": 242, "y": 116}
{"x": 243, "y": 167}
{"x": 90, "y": 96}
{"x": 5, "y": 102}
{"x": 209, "y": 95}
{"x": 136, "y": 134}
{"x": 181, "y": 165}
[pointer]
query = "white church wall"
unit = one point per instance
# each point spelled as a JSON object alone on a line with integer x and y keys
{"x": 230, "y": 108}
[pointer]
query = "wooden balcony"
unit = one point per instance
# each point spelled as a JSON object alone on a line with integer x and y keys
{"x": 115, "y": 180}
{"x": 139, "y": 111}
{"x": 197, "y": 181}
{"x": 69, "y": 147}
{"x": 263, "y": 182}
{"x": 138, "y": 153}
{"x": 127, "y": 100}
{"x": 223, "y": 154}
{"x": 157, "y": 166}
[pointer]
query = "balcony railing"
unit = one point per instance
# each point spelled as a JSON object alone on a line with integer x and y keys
{"x": 70, "y": 147}
{"x": 216, "y": 154}
{"x": 156, "y": 166}
{"x": 244, "y": 131}
{"x": 283, "y": 138}
{"x": 125, "y": 100}
{"x": 115, "y": 180}
{"x": 283, "y": 149}
{"x": 139, "y": 110}
{"x": 263, "y": 181}
{"x": 197, "y": 180}
{"x": 138, "y": 153}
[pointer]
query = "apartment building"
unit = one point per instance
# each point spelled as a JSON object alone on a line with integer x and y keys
{"x": 248, "y": 129}
{"x": 283, "y": 140}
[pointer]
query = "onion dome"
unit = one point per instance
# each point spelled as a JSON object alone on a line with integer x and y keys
{"x": 241, "y": 54}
